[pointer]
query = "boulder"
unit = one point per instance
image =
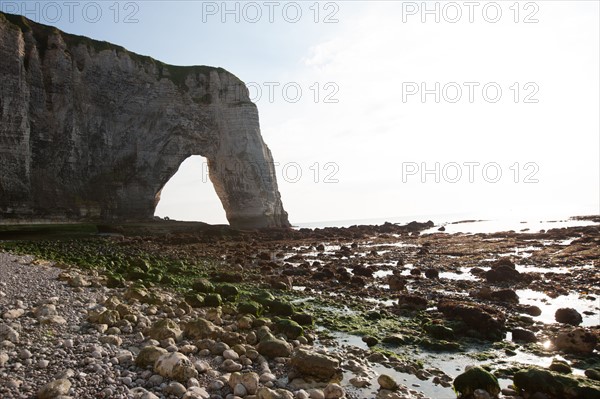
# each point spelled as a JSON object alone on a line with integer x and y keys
{"x": 568, "y": 316}
{"x": 266, "y": 393}
{"x": 439, "y": 331}
{"x": 108, "y": 317}
{"x": 387, "y": 382}
{"x": 486, "y": 320}
{"x": 281, "y": 308}
{"x": 8, "y": 333}
{"x": 248, "y": 380}
{"x": 501, "y": 274}
{"x": 272, "y": 347}
{"x": 396, "y": 283}
{"x": 289, "y": 328}
{"x": 533, "y": 380}
{"x": 520, "y": 334}
{"x": 476, "y": 378}
{"x": 334, "y": 391}
{"x": 577, "y": 340}
{"x": 164, "y": 329}
{"x": 503, "y": 270}
{"x": 213, "y": 300}
{"x": 54, "y": 388}
{"x": 505, "y": 295}
{"x": 200, "y": 329}
{"x": 175, "y": 366}
{"x": 560, "y": 366}
{"x": 250, "y": 307}
{"x": 412, "y": 302}
{"x": 432, "y": 273}
{"x": 314, "y": 364}
{"x": 593, "y": 373}
{"x": 203, "y": 286}
{"x": 148, "y": 356}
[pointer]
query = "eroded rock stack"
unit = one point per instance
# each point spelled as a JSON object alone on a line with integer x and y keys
{"x": 89, "y": 130}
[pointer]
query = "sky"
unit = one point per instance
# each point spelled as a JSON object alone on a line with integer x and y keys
{"x": 378, "y": 109}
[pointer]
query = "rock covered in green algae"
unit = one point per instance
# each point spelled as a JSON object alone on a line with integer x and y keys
{"x": 194, "y": 300}
{"x": 250, "y": 307}
{"x": 280, "y": 308}
{"x": 213, "y": 300}
{"x": 439, "y": 331}
{"x": 203, "y": 286}
{"x": 473, "y": 379}
{"x": 228, "y": 292}
{"x": 303, "y": 319}
{"x": 556, "y": 385}
{"x": 560, "y": 366}
{"x": 289, "y": 328}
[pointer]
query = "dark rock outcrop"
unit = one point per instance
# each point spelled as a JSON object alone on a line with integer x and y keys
{"x": 533, "y": 380}
{"x": 486, "y": 320}
{"x": 568, "y": 316}
{"x": 91, "y": 131}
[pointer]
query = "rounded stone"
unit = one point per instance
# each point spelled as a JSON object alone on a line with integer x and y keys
{"x": 175, "y": 366}
{"x": 176, "y": 389}
{"x": 387, "y": 382}
{"x": 240, "y": 390}
{"x": 55, "y": 388}
{"x": 333, "y": 391}
{"x": 230, "y": 354}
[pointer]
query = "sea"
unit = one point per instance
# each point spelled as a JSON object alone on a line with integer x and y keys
{"x": 469, "y": 222}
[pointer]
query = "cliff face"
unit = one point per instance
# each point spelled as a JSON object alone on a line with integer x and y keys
{"x": 89, "y": 130}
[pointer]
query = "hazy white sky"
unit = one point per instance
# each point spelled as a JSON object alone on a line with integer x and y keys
{"x": 511, "y": 88}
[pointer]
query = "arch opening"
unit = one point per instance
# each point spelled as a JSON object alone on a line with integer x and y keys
{"x": 190, "y": 196}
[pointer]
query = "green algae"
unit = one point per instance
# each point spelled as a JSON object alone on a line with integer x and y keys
{"x": 557, "y": 385}
{"x": 476, "y": 378}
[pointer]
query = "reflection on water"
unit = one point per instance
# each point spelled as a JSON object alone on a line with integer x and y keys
{"x": 550, "y": 305}
{"x": 494, "y": 226}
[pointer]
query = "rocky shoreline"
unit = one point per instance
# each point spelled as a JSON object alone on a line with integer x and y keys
{"x": 228, "y": 314}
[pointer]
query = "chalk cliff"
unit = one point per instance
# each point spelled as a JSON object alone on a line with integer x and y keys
{"x": 91, "y": 131}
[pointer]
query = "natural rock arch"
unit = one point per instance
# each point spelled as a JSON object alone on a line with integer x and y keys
{"x": 89, "y": 130}
{"x": 189, "y": 195}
